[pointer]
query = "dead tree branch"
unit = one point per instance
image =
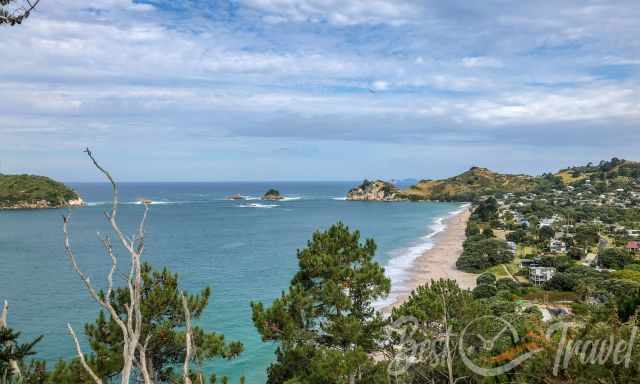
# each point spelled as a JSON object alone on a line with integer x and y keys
{"x": 188, "y": 338}
{"x": 131, "y": 327}
{"x": 83, "y": 361}
{"x": 4, "y": 324}
{"x": 17, "y": 14}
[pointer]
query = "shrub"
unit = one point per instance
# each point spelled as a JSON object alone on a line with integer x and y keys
{"x": 479, "y": 255}
{"x": 561, "y": 282}
{"x": 576, "y": 253}
{"x": 507, "y": 284}
{"x": 488, "y": 233}
{"x": 484, "y": 291}
{"x": 614, "y": 258}
{"x": 517, "y": 236}
{"x": 486, "y": 278}
{"x": 472, "y": 229}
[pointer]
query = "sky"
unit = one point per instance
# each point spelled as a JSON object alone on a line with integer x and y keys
{"x": 215, "y": 90}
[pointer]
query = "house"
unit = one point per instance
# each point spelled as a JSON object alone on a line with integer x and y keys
{"x": 557, "y": 246}
{"x": 512, "y": 247}
{"x": 633, "y": 232}
{"x": 540, "y": 275}
{"x": 549, "y": 221}
{"x": 528, "y": 263}
{"x": 633, "y": 246}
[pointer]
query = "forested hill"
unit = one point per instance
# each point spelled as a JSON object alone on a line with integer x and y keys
{"x": 606, "y": 176}
{"x": 30, "y": 191}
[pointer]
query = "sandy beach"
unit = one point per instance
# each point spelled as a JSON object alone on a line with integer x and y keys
{"x": 439, "y": 262}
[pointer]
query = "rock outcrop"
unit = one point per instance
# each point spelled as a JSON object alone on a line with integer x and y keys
{"x": 44, "y": 204}
{"x": 375, "y": 191}
{"x": 272, "y": 194}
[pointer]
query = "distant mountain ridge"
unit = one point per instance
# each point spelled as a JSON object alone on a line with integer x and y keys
{"x": 477, "y": 182}
{"x": 31, "y": 191}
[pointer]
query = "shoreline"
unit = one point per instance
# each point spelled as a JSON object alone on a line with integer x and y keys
{"x": 438, "y": 262}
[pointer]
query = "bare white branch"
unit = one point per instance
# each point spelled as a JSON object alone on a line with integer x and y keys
{"x": 4, "y": 314}
{"x": 131, "y": 326}
{"x": 83, "y": 361}
{"x": 188, "y": 338}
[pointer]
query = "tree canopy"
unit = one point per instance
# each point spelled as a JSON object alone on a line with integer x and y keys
{"x": 325, "y": 325}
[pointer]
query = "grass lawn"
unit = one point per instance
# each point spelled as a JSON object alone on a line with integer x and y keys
{"x": 500, "y": 234}
{"x": 498, "y": 271}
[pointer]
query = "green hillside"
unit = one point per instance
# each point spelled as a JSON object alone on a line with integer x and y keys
{"x": 606, "y": 176}
{"x": 28, "y": 191}
{"x": 469, "y": 185}
{"x": 620, "y": 172}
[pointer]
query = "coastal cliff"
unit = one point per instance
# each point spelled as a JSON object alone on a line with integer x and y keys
{"x": 374, "y": 190}
{"x": 35, "y": 192}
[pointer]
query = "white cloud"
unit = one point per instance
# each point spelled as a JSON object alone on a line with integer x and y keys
{"x": 481, "y": 62}
{"x": 120, "y": 71}
{"x": 380, "y": 85}
{"x": 338, "y": 12}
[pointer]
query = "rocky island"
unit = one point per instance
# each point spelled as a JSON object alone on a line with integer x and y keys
{"x": 35, "y": 192}
{"x": 375, "y": 190}
{"x": 272, "y": 194}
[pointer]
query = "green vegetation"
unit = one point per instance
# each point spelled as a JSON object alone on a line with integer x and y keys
{"x": 13, "y": 355}
{"x": 614, "y": 258}
{"x": 477, "y": 182}
{"x": 164, "y": 322}
{"x": 469, "y": 186}
{"x": 618, "y": 171}
{"x": 272, "y": 194}
{"x": 325, "y": 326}
{"x": 17, "y": 190}
{"x": 480, "y": 253}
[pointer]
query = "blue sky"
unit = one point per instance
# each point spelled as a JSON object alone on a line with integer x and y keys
{"x": 318, "y": 89}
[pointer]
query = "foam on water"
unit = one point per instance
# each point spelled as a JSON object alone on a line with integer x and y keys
{"x": 399, "y": 267}
{"x": 100, "y": 203}
{"x": 97, "y": 203}
{"x": 293, "y": 198}
{"x": 339, "y": 198}
{"x": 256, "y": 205}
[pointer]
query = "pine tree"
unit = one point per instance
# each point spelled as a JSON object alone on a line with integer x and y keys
{"x": 164, "y": 323}
{"x": 325, "y": 325}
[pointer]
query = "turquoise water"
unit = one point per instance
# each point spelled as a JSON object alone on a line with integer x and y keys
{"x": 243, "y": 252}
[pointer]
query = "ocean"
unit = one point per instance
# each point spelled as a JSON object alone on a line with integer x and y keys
{"x": 244, "y": 250}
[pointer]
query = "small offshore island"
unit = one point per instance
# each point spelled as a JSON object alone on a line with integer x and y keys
{"x": 273, "y": 195}
{"x": 35, "y": 192}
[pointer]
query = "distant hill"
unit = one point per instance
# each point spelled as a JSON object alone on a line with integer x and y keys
{"x": 30, "y": 191}
{"x": 616, "y": 171}
{"x": 469, "y": 185}
{"x": 477, "y": 182}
